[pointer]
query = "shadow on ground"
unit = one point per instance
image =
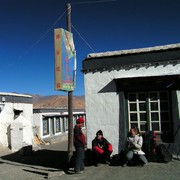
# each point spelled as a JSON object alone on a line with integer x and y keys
{"x": 44, "y": 162}
{"x": 45, "y": 158}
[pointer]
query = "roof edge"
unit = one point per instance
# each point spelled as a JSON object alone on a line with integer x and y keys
{"x": 132, "y": 51}
{"x": 14, "y": 94}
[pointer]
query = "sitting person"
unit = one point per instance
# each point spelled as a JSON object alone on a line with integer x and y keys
{"x": 134, "y": 145}
{"x": 101, "y": 148}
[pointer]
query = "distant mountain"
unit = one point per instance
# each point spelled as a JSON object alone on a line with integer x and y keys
{"x": 56, "y": 101}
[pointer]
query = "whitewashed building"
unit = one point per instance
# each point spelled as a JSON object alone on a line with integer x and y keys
{"x": 52, "y": 124}
{"x": 16, "y": 112}
{"x": 136, "y": 87}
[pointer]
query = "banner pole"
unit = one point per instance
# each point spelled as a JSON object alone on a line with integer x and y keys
{"x": 70, "y": 97}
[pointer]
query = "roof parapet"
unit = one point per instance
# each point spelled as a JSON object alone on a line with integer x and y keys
{"x": 133, "y": 51}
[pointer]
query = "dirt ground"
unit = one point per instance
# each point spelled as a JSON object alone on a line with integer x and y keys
{"x": 48, "y": 162}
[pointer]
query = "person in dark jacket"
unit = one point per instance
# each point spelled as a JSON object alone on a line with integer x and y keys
{"x": 101, "y": 148}
{"x": 79, "y": 144}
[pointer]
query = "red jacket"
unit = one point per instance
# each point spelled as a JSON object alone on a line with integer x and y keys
{"x": 79, "y": 137}
{"x": 101, "y": 146}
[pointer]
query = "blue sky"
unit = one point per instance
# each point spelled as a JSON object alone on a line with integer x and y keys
{"x": 27, "y": 35}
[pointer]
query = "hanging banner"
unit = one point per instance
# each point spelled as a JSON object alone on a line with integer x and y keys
{"x": 65, "y": 60}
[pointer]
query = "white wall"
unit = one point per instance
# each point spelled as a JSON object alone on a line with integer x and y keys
{"x": 102, "y": 109}
{"x": 176, "y": 115}
{"x": 7, "y": 118}
{"x": 21, "y": 133}
{"x": 37, "y": 118}
{"x": 178, "y": 101}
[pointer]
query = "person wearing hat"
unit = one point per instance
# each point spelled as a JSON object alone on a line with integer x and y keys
{"x": 79, "y": 144}
{"x": 101, "y": 148}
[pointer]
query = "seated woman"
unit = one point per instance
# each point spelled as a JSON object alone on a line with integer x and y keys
{"x": 101, "y": 148}
{"x": 134, "y": 145}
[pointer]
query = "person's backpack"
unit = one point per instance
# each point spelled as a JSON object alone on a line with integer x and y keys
{"x": 163, "y": 154}
{"x": 115, "y": 160}
{"x": 118, "y": 159}
{"x": 88, "y": 161}
{"x": 150, "y": 146}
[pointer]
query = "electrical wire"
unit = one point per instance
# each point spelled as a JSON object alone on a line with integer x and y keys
{"x": 52, "y": 26}
{"x": 41, "y": 37}
{"x": 83, "y": 38}
{"x": 90, "y": 2}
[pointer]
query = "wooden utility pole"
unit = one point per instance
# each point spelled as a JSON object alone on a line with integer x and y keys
{"x": 70, "y": 95}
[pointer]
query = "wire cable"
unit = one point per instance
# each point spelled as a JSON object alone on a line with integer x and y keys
{"x": 83, "y": 38}
{"x": 58, "y": 19}
{"x": 90, "y": 2}
{"x": 41, "y": 37}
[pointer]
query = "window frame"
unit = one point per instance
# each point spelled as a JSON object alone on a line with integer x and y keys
{"x": 149, "y": 111}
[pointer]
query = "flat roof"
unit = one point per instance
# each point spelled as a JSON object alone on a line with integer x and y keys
{"x": 152, "y": 56}
{"x": 133, "y": 51}
{"x": 54, "y": 110}
{"x": 14, "y": 94}
{"x": 15, "y": 97}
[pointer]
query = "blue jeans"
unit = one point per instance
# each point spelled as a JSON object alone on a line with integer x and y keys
{"x": 130, "y": 155}
{"x": 79, "y": 160}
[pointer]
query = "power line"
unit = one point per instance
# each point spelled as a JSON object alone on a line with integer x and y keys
{"x": 41, "y": 37}
{"x": 83, "y": 39}
{"x": 58, "y": 19}
{"x": 90, "y": 2}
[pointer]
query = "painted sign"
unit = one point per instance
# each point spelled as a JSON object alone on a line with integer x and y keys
{"x": 65, "y": 60}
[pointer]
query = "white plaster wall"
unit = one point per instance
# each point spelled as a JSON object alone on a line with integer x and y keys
{"x": 21, "y": 133}
{"x": 7, "y": 118}
{"x": 102, "y": 109}
{"x": 149, "y": 71}
{"x": 178, "y": 96}
{"x": 16, "y": 138}
{"x": 177, "y": 119}
{"x": 28, "y": 112}
{"x": 37, "y": 118}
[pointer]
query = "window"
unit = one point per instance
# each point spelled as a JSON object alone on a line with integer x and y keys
{"x": 154, "y": 111}
{"x": 137, "y": 110}
{"x": 149, "y": 111}
{"x": 65, "y": 123}
{"x": 58, "y": 124}
{"x": 45, "y": 126}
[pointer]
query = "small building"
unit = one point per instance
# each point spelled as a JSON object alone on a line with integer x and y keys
{"x": 15, "y": 121}
{"x": 52, "y": 124}
{"x": 136, "y": 87}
